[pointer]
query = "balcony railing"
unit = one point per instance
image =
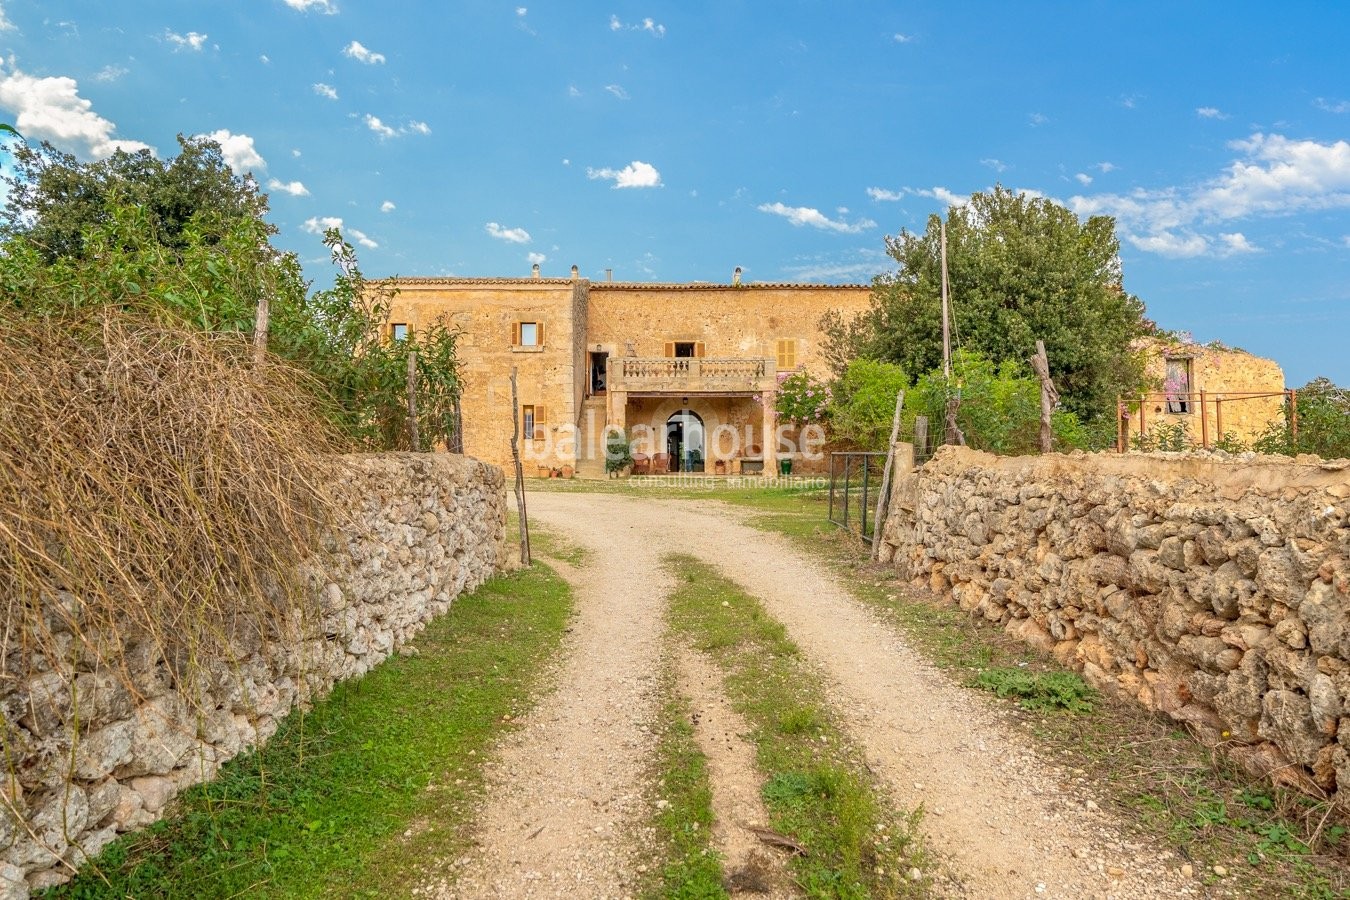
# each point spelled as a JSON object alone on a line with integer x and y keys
{"x": 691, "y": 375}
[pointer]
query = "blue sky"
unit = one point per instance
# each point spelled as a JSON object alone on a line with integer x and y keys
{"x": 675, "y": 141}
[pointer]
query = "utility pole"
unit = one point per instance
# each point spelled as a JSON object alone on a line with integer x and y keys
{"x": 946, "y": 316}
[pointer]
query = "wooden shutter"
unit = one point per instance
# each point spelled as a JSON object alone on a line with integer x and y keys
{"x": 539, "y": 334}
{"x": 787, "y": 354}
{"x": 540, "y": 421}
{"x": 698, "y": 350}
{"x": 515, "y": 334}
{"x": 670, "y": 349}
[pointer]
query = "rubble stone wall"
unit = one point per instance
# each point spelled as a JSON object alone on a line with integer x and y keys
{"x": 93, "y": 751}
{"x": 1214, "y": 590}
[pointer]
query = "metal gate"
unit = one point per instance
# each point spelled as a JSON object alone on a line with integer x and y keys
{"x": 855, "y": 479}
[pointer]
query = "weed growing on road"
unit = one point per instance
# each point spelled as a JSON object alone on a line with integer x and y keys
{"x": 817, "y": 791}
{"x": 689, "y": 869}
{"x": 1039, "y": 691}
{"x": 549, "y": 544}
{"x": 376, "y": 782}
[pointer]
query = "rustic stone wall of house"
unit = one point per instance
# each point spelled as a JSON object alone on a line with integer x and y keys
{"x": 95, "y": 751}
{"x": 1227, "y": 376}
{"x": 1214, "y": 590}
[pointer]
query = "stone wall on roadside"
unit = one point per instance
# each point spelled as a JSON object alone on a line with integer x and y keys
{"x": 94, "y": 751}
{"x": 1213, "y": 589}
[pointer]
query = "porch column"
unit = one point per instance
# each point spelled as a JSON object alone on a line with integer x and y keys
{"x": 770, "y": 443}
{"x": 618, "y": 409}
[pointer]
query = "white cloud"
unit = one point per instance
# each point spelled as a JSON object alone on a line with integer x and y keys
{"x": 1235, "y": 243}
{"x": 238, "y": 151}
{"x": 320, "y": 224}
{"x": 385, "y": 131}
{"x": 636, "y": 174}
{"x": 882, "y": 194}
{"x": 52, "y": 109}
{"x": 357, "y": 51}
{"x": 536, "y": 259}
{"x": 573, "y": 91}
{"x": 1105, "y": 167}
{"x": 107, "y": 73}
{"x": 265, "y": 59}
{"x": 1275, "y": 176}
{"x": 295, "y": 152}
{"x": 294, "y": 188}
{"x": 5, "y": 23}
{"x": 1210, "y": 112}
{"x": 375, "y": 125}
{"x": 324, "y": 6}
{"x": 521, "y": 11}
{"x": 566, "y": 162}
{"x": 649, "y": 25}
{"x": 997, "y": 165}
{"x": 617, "y": 90}
{"x": 325, "y": 90}
{"x": 387, "y": 206}
{"x": 902, "y": 38}
{"x": 1037, "y": 119}
{"x": 510, "y": 235}
{"x": 1083, "y": 178}
{"x": 805, "y": 215}
{"x": 1332, "y": 106}
{"x": 193, "y": 41}
{"x": 944, "y": 195}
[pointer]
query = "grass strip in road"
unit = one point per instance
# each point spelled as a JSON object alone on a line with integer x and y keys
{"x": 350, "y": 799}
{"x": 816, "y": 788}
{"x": 687, "y": 867}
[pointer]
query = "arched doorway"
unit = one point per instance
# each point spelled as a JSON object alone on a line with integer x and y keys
{"x": 684, "y": 441}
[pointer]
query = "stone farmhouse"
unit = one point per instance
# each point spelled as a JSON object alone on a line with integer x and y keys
{"x": 688, "y": 371}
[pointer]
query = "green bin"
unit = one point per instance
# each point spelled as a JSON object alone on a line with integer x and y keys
{"x": 785, "y": 466}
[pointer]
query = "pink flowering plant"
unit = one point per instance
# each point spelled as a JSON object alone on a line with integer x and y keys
{"x": 801, "y": 399}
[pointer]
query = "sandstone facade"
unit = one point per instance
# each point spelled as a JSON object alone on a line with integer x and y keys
{"x": 93, "y": 752}
{"x": 1214, "y": 590}
{"x": 624, "y": 355}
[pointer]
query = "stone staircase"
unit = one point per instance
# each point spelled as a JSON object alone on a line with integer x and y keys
{"x": 590, "y": 437}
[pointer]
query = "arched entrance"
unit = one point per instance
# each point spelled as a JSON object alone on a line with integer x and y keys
{"x": 684, "y": 441}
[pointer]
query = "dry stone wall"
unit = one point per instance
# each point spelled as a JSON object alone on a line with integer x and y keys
{"x": 1213, "y": 589}
{"x": 95, "y": 751}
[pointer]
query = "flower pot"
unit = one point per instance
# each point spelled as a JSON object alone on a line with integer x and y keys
{"x": 568, "y": 471}
{"x": 543, "y": 472}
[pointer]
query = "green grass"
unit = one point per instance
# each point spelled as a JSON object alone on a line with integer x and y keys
{"x": 1039, "y": 691}
{"x": 817, "y": 790}
{"x": 689, "y": 868}
{"x": 353, "y": 798}
{"x": 548, "y": 543}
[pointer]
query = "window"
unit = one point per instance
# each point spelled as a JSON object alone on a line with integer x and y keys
{"x": 528, "y": 334}
{"x": 532, "y": 422}
{"x": 1177, "y": 385}
{"x": 684, "y": 349}
{"x": 399, "y": 331}
{"x": 787, "y": 354}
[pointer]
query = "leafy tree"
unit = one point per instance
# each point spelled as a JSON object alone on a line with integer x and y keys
{"x": 1323, "y": 423}
{"x": 1000, "y": 407}
{"x": 186, "y": 240}
{"x": 863, "y": 404}
{"x": 1020, "y": 268}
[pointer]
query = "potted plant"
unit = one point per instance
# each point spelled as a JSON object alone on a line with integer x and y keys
{"x": 618, "y": 454}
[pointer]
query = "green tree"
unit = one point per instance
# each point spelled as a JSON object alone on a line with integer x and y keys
{"x": 1323, "y": 423}
{"x": 863, "y": 403}
{"x": 1021, "y": 268}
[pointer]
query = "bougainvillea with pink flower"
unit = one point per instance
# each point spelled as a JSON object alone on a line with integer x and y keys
{"x": 801, "y": 399}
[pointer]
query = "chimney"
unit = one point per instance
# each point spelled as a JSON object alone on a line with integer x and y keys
{"x": 736, "y": 277}
{"x": 609, "y": 274}
{"x": 534, "y": 271}
{"x": 575, "y": 273}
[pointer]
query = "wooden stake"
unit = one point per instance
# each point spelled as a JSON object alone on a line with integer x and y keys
{"x": 946, "y": 321}
{"x": 883, "y": 496}
{"x": 260, "y": 325}
{"x": 457, "y": 435}
{"x": 1040, "y": 364}
{"x": 520, "y": 474}
{"x": 920, "y": 438}
{"x": 412, "y": 402}
{"x": 1293, "y": 417}
{"x": 1204, "y": 423}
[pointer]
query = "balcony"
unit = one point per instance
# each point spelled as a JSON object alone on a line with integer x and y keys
{"x": 684, "y": 375}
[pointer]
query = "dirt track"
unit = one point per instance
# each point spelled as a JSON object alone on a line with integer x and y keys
{"x": 565, "y": 791}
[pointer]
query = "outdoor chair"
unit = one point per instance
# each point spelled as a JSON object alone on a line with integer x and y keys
{"x": 642, "y": 464}
{"x": 661, "y": 463}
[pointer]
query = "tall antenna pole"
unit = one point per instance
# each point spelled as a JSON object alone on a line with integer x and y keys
{"x": 946, "y": 321}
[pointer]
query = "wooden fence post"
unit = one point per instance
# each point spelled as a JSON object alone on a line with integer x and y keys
{"x": 520, "y": 474}
{"x": 413, "y": 437}
{"x": 883, "y": 497}
{"x": 260, "y": 326}
{"x": 921, "y": 437}
{"x": 1040, "y": 364}
{"x": 1204, "y": 422}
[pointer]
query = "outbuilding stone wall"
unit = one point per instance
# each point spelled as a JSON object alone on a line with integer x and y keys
{"x": 1213, "y": 589}
{"x": 92, "y": 752}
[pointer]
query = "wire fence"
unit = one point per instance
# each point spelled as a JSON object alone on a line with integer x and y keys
{"x": 855, "y": 479}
